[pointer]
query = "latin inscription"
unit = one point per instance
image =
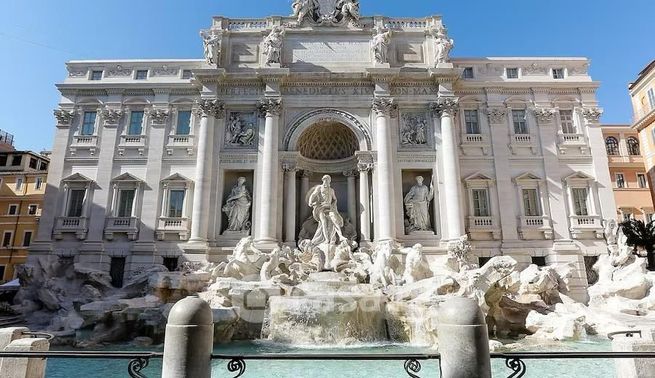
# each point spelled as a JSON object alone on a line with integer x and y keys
{"x": 328, "y": 91}
{"x": 334, "y": 51}
{"x": 240, "y": 91}
{"x": 414, "y": 91}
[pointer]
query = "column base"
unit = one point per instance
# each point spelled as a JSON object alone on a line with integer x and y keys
{"x": 195, "y": 247}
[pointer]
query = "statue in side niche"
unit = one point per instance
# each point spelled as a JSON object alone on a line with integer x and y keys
{"x": 417, "y": 202}
{"x": 237, "y": 207}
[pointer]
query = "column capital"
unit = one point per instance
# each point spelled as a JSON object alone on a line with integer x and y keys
{"x": 591, "y": 114}
{"x": 64, "y": 117}
{"x": 289, "y": 166}
{"x": 211, "y": 108}
{"x": 270, "y": 106}
{"x": 351, "y": 173}
{"x": 497, "y": 115}
{"x": 445, "y": 106}
{"x": 111, "y": 116}
{"x": 158, "y": 116}
{"x": 544, "y": 115}
{"x": 385, "y": 107}
{"x": 364, "y": 166}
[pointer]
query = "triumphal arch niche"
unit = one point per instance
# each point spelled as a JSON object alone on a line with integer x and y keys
{"x": 367, "y": 101}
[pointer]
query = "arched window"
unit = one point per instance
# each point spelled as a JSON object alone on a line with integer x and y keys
{"x": 633, "y": 146}
{"x": 612, "y": 146}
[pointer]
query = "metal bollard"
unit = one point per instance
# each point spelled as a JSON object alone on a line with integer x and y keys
{"x": 463, "y": 340}
{"x": 188, "y": 340}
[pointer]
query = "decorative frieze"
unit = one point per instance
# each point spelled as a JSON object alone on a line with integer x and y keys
{"x": 119, "y": 71}
{"x": 497, "y": 115}
{"x": 64, "y": 117}
{"x": 535, "y": 69}
{"x": 414, "y": 129}
{"x": 269, "y": 107}
{"x": 544, "y": 115}
{"x": 385, "y": 106}
{"x": 164, "y": 71}
{"x": 241, "y": 129}
{"x": 211, "y": 108}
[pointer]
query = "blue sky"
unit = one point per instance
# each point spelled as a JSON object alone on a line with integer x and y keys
{"x": 38, "y": 36}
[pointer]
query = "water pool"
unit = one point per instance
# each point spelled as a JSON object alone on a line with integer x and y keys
{"x": 60, "y": 368}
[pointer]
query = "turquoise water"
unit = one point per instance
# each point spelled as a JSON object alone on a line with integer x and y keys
{"x": 61, "y": 368}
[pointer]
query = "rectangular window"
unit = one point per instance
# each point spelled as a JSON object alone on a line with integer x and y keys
{"x": 512, "y": 73}
{"x": 125, "y": 203}
{"x": 520, "y": 124}
{"x": 33, "y": 163}
{"x": 38, "y": 183}
{"x": 580, "y": 201}
{"x": 2, "y": 273}
{"x": 19, "y": 183}
{"x": 117, "y": 271}
{"x": 32, "y": 209}
{"x": 141, "y": 74}
{"x": 480, "y": 202}
{"x": 531, "y": 203}
{"x": 6, "y": 239}
{"x": 566, "y": 118}
{"x": 539, "y": 260}
{"x": 641, "y": 180}
{"x": 471, "y": 119}
{"x": 175, "y": 203}
{"x": 16, "y": 160}
{"x": 558, "y": 73}
{"x": 76, "y": 202}
{"x": 96, "y": 75}
{"x": 88, "y": 123}
{"x": 136, "y": 121}
{"x": 13, "y": 210}
{"x": 44, "y": 166}
{"x": 3, "y": 160}
{"x": 186, "y": 74}
{"x": 468, "y": 73}
{"x": 183, "y": 123}
{"x": 620, "y": 180}
{"x": 651, "y": 98}
{"x": 27, "y": 238}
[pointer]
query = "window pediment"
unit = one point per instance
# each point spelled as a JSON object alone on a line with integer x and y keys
{"x": 578, "y": 177}
{"x": 527, "y": 177}
{"x": 77, "y": 177}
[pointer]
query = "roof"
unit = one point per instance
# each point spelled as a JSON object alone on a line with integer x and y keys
{"x": 642, "y": 74}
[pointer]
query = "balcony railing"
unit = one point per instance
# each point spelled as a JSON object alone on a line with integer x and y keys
{"x": 182, "y": 142}
{"x": 133, "y": 140}
{"x": 179, "y": 226}
{"x": 127, "y": 225}
{"x": 473, "y": 139}
{"x": 481, "y": 222}
{"x": 76, "y": 225}
{"x": 85, "y": 141}
{"x": 535, "y": 221}
{"x": 522, "y": 139}
{"x": 585, "y": 221}
{"x": 574, "y": 139}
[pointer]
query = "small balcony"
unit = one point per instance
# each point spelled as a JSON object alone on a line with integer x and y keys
{"x": 520, "y": 142}
{"x": 180, "y": 142}
{"x": 72, "y": 225}
{"x": 473, "y": 144}
{"x": 532, "y": 225}
{"x": 179, "y": 227}
{"x": 572, "y": 144}
{"x": 132, "y": 142}
{"x": 122, "y": 225}
{"x": 483, "y": 225}
{"x": 85, "y": 143}
{"x": 581, "y": 224}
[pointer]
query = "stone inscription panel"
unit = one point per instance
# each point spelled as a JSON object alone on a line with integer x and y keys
{"x": 329, "y": 50}
{"x": 245, "y": 53}
{"x": 327, "y": 91}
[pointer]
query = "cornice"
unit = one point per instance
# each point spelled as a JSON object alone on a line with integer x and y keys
{"x": 645, "y": 121}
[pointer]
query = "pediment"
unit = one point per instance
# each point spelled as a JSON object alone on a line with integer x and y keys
{"x": 176, "y": 177}
{"x": 478, "y": 177}
{"x": 76, "y": 177}
{"x": 579, "y": 176}
{"x": 527, "y": 177}
{"x": 127, "y": 177}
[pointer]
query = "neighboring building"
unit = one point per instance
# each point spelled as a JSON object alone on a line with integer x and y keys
{"x": 628, "y": 174}
{"x": 6, "y": 141}
{"x": 642, "y": 92}
{"x": 147, "y": 152}
{"x": 22, "y": 187}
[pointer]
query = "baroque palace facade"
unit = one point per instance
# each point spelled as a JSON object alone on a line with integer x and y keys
{"x": 154, "y": 160}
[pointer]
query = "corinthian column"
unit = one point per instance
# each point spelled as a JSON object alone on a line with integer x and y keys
{"x": 384, "y": 108}
{"x": 352, "y": 196}
{"x": 209, "y": 110}
{"x": 364, "y": 202}
{"x": 266, "y": 218}
{"x": 446, "y": 108}
{"x": 290, "y": 203}
{"x": 304, "y": 188}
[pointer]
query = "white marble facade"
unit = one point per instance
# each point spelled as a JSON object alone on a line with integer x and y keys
{"x": 282, "y": 101}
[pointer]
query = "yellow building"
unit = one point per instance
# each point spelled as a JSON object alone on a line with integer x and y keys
{"x": 22, "y": 186}
{"x": 628, "y": 174}
{"x": 642, "y": 92}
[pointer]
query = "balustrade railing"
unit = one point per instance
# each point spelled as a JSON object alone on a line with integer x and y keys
{"x": 481, "y": 222}
{"x": 237, "y": 364}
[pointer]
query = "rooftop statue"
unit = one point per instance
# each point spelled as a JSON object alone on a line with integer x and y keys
{"x": 326, "y": 12}
{"x": 273, "y": 45}
{"x": 444, "y": 45}
{"x": 212, "y": 46}
{"x": 380, "y": 44}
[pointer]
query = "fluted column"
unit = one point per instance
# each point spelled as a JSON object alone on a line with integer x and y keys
{"x": 364, "y": 202}
{"x": 266, "y": 218}
{"x": 209, "y": 110}
{"x": 304, "y": 188}
{"x": 289, "y": 203}
{"x": 352, "y": 197}
{"x": 384, "y": 108}
{"x": 446, "y": 108}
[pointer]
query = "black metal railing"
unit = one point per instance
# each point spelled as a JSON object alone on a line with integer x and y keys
{"x": 236, "y": 364}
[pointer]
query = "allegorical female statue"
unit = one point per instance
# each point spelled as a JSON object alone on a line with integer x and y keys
{"x": 323, "y": 201}
{"x": 273, "y": 45}
{"x": 212, "y": 47}
{"x": 443, "y": 46}
{"x": 417, "y": 202}
{"x": 237, "y": 207}
{"x": 380, "y": 44}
